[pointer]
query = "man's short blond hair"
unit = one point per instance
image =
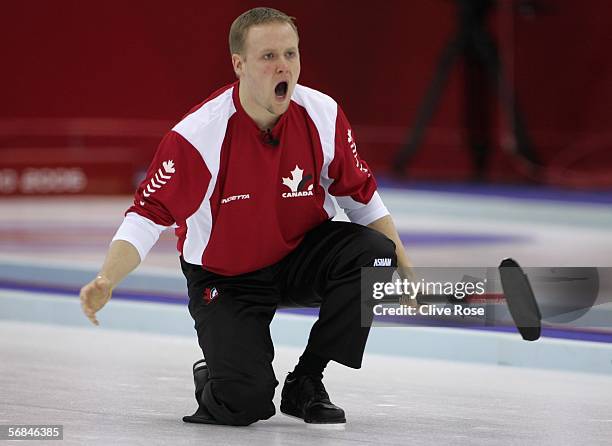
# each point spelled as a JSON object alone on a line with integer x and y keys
{"x": 252, "y": 17}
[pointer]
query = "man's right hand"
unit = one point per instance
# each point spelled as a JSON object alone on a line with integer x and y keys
{"x": 94, "y": 296}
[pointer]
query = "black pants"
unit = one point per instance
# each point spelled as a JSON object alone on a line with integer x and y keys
{"x": 232, "y": 315}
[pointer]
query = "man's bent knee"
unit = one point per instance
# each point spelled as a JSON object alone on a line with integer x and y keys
{"x": 240, "y": 403}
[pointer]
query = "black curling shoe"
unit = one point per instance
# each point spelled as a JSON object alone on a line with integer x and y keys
{"x": 200, "y": 377}
{"x": 305, "y": 397}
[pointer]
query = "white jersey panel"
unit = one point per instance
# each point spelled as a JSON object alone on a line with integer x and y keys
{"x": 205, "y": 130}
{"x": 323, "y": 111}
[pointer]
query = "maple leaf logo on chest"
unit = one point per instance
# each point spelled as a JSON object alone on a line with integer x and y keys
{"x": 297, "y": 181}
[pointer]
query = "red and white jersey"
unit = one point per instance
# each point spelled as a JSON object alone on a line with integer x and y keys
{"x": 242, "y": 199}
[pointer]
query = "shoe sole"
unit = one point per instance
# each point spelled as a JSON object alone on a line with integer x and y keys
{"x": 297, "y": 416}
{"x": 198, "y": 420}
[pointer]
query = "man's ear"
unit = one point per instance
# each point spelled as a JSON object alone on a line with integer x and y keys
{"x": 237, "y": 63}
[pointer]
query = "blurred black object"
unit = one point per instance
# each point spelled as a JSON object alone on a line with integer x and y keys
{"x": 483, "y": 75}
{"x": 520, "y": 300}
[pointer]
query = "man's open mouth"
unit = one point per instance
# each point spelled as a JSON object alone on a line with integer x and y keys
{"x": 281, "y": 89}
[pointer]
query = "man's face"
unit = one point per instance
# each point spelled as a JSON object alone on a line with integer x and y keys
{"x": 268, "y": 68}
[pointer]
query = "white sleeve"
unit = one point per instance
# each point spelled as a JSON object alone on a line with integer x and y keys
{"x": 363, "y": 214}
{"x": 139, "y": 231}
